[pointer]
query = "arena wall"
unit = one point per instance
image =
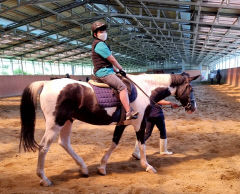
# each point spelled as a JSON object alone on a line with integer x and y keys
{"x": 231, "y": 76}
{"x": 193, "y": 72}
{"x": 14, "y": 85}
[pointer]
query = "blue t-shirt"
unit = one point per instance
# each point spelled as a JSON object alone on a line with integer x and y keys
{"x": 102, "y": 49}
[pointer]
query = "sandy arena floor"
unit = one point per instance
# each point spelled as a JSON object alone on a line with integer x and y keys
{"x": 206, "y": 148}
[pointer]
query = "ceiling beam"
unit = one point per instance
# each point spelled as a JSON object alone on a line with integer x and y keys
{"x": 43, "y": 15}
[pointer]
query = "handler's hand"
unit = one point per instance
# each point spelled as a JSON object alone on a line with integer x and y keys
{"x": 173, "y": 105}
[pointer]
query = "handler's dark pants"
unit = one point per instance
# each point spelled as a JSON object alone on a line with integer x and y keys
{"x": 211, "y": 80}
{"x": 160, "y": 122}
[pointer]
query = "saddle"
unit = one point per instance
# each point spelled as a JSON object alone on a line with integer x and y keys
{"x": 99, "y": 83}
{"x": 109, "y": 97}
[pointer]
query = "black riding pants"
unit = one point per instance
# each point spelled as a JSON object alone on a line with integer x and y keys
{"x": 160, "y": 122}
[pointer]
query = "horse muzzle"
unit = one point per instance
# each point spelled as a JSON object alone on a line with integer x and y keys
{"x": 191, "y": 106}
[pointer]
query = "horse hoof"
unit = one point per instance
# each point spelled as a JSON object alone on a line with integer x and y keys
{"x": 150, "y": 169}
{"x": 85, "y": 175}
{"x": 84, "y": 172}
{"x": 46, "y": 183}
{"x": 102, "y": 171}
{"x": 136, "y": 156}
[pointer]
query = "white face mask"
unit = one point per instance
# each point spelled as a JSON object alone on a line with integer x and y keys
{"x": 103, "y": 36}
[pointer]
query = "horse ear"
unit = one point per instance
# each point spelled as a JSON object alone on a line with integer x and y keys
{"x": 193, "y": 78}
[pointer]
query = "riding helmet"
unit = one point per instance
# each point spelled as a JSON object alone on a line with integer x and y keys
{"x": 98, "y": 25}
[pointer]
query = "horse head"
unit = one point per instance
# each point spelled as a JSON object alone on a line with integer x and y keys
{"x": 184, "y": 92}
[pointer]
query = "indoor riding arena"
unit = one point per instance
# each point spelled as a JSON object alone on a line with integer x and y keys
{"x": 50, "y": 49}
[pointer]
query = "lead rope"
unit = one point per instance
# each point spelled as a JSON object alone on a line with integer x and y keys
{"x": 140, "y": 89}
{"x": 146, "y": 93}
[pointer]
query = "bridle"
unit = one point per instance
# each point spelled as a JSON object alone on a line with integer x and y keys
{"x": 190, "y": 98}
{"x": 188, "y": 106}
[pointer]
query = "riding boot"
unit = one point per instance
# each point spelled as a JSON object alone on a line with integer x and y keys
{"x": 163, "y": 147}
{"x": 136, "y": 152}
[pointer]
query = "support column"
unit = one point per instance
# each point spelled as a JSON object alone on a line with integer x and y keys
{"x": 82, "y": 68}
{"x": 201, "y": 72}
{"x": 183, "y": 66}
{"x": 50, "y": 67}
{"x": 42, "y": 67}
{"x": 58, "y": 68}
{"x": 200, "y": 67}
{"x": 73, "y": 72}
{"x": 21, "y": 66}
{"x": 11, "y": 61}
{"x": 33, "y": 67}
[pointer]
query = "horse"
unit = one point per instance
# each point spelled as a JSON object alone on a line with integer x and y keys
{"x": 64, "y": 100}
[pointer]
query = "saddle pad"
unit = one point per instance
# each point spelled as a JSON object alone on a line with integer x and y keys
{"x": 106, "y": 97}
{"x": 102, "y": 85}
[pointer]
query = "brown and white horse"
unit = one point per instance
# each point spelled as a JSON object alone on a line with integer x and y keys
{"x": 64, "y": 100}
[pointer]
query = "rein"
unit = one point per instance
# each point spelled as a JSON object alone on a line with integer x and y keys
{"x": 140, "y": 89}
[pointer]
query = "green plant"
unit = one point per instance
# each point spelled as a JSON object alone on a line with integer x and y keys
{"x": 19, "y": 72}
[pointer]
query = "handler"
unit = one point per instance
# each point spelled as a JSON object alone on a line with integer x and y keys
{"x": 105, "y": 65}
{"x": 156, "y": 117}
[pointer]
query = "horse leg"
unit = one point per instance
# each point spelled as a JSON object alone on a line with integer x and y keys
{"x": 141, "y": 144}
{"x": 116, "y": 137}
{"x": 64, "y": 141}
{"x": 148, "y": 132}
{"x": 50, "y": 134}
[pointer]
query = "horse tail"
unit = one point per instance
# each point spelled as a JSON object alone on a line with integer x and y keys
{"x": 28, "y": 116}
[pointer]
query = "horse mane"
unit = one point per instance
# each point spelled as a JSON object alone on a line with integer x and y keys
{"x": 177, "y": 79}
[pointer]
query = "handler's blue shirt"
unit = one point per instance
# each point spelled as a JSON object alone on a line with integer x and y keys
{"x": 102, "y": 49}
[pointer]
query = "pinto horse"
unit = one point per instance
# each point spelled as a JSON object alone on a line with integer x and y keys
{"x": 64, "y": 100}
